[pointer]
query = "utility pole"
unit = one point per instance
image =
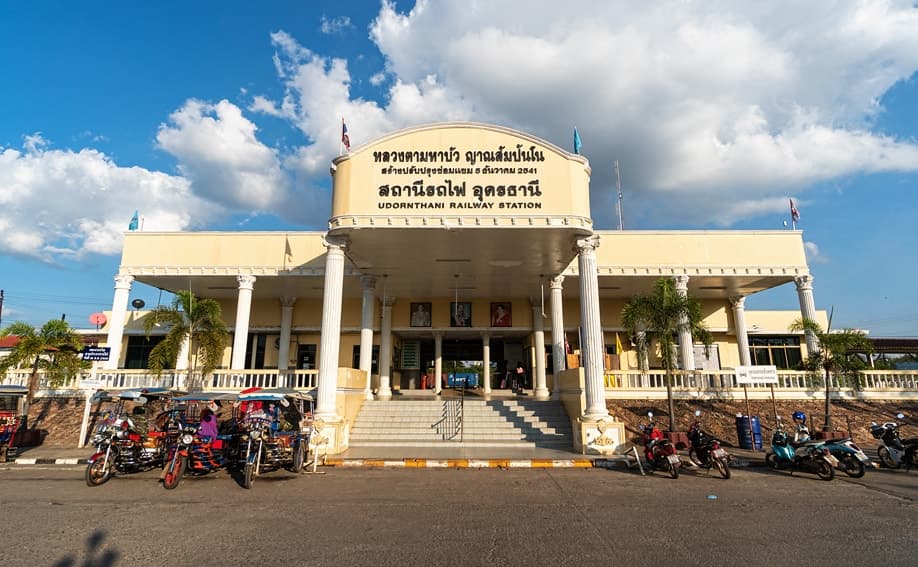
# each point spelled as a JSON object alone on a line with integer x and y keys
{"x": 618, "y": 187}
{"x": 1, "y": 306}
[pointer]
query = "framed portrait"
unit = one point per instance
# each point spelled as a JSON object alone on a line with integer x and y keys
{"x": 460, "y": 314}
{"x": 501, "y": 314}
{"x": 420, "y": 314}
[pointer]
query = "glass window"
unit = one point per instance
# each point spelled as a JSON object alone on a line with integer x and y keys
{"x": 137, "y": 354}
{"x": 782, "y": 352}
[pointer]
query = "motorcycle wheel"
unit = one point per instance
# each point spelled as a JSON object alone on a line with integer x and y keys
{"x": 824, "y": 470}
{"x": 673, "y": 469}
{"x": 248, "y": 476}
{"x": 174, "y": 472}
{"x": 852, "y": 466}
{"x": 886, "y": 459}
{"x": 722, "y": 467}
{"x": 97, "y": 473}
{"x": 772, "y": 461}
{"x": 299, "y": 458}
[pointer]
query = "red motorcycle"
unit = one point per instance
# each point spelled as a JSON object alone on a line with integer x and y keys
{"x": 659, "y": 451}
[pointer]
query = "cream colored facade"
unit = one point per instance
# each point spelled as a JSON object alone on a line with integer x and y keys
{"x": 459, "y": 213}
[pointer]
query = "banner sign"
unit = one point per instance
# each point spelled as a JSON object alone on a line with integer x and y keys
{"x": 756, "y": 375}
{"x": 96, "y": 353}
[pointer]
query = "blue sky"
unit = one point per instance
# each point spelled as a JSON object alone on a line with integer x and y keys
{"x": 225, "y": 116}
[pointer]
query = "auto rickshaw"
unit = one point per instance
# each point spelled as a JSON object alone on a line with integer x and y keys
{"x": 125, "y": 442}
{"x": 190, "y": 453}
{"x": 11, "y": 398}
{"x": 275, "y": 431}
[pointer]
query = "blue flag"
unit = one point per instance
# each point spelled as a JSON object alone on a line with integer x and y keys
{"x": 577, "y": 142}
{"x": 135, "y": 221}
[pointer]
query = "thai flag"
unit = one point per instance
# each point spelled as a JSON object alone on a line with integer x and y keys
{"x": 345, "y": 139}
{"x": 794, "y": 213}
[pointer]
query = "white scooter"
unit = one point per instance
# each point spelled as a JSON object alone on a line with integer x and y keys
{"x": 893, "y": 450}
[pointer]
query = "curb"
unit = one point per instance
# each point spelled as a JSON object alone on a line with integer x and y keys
{"x": 468, "y": 463}
{"x": 73, "y": 461}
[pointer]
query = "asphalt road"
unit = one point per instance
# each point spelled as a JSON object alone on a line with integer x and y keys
{"x": 459, "y": 517}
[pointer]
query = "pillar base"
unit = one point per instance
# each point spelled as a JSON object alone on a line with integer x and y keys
{"x": 603, "y": 436}
{"x": 542, "y": 394}
{"x": 330, "y": 437}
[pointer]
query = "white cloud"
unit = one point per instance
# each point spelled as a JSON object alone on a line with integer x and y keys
{"x": 813, "y": 255}
{"x": 335, "y": 25}
{"x": 61, "y": 204}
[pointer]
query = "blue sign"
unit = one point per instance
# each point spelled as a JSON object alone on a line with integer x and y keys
{"x": 96, "y": 353}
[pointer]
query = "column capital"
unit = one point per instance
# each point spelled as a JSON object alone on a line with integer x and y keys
{"x": 287, "y": 301}
{"x": 123, "y": 281}
{"x": 368, "y": 282}
{"x": 738, "y": 301}
{"x": 246, "y": 282}
{"x": 335, "y": 243}
{"x": 804, "y": 282}
{"x": 557, "y": 282}
{"x": 587, "y": 245}
{"x": 681, "y": 282}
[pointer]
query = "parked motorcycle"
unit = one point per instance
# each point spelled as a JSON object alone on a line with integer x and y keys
{"x": 189, "y": 453}
{"x": 807, "y": 458}
{"x": 659, "y": 451}
{"x": 893, "y": 450}
{"x": 706, "y": 451}
{"x": 851, "y": 459}
{"x": 122, "y": 446}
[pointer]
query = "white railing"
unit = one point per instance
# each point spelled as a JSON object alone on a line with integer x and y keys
{"x": 885, "y": 384}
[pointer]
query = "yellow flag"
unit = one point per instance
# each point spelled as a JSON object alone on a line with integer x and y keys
{"x": 618, "y": 345}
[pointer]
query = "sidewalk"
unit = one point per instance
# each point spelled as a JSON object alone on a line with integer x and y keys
{"x": 452, "y": 456}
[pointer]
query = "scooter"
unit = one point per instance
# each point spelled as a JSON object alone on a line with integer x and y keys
{"x": 851, "y": 459}
{"x": 658, "y": 450}
{"x": 807, "y": 457}
{"x": 893, "y": 450}
{"x": 706, "y": 451}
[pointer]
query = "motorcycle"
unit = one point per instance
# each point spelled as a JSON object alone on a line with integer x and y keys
{"x": 659, "y": 451}
{"x": 272, "y": 432}
{"x": 706, "y": 451}
{"x": 807, "y": 457}
{"x": 189, "y": 453}
{"x": 893, "y": 450}
{"x": 121, "y": 445}
{"x": 851, "y": 459}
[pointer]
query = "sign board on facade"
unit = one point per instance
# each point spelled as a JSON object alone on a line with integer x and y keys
{"x": 90, "y": 384}
{"x": 96, "y": 353}
{"x": 756, "y": 375}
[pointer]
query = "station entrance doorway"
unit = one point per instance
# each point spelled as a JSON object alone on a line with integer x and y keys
{"x": 463, "y": 363}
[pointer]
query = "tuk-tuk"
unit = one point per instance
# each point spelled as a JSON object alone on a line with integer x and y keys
{"x": 275, "y": 426}
{"x": 11, "y": 410}
{"x": 188, "y": 451}
{"x": 126, "y": 440}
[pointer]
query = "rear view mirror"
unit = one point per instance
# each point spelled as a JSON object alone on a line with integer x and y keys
{"x": 650, "y": 414}
{"x": 900, "y": 415}
{"x": 697, "y": 413}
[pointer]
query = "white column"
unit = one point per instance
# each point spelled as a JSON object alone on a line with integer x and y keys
{"x": 557, "y": 332}
{"x": 241, "y": 329}
{"x": 438, "y": 363}
{"x": 540, "y": 390}
{"x": 283, "y": 350}
{"x": 486, "y": 355}
{"x": 366, "y": 332}
{"x": 591, "y": 328}
{"x": 739, "y": 323}
{"x": 116, "y": 325}
{"x": 330, "y": 339}
{"x": 385, "y": 350}
{"x": 686, "y": 346}
{"x": 807, "y": 308}
{"x": 181, "y": 362}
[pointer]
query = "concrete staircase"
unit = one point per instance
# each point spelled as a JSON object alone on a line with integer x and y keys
{"x": 508, "y": 423}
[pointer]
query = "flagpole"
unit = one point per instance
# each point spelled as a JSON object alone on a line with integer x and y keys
{"x": 618, "y": 187}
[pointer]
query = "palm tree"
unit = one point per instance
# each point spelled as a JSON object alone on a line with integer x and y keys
{"x": 54, "y": 348}
{"x": 188, "y": 318}
{"x": 661, "y": 315}
{"x": 836, "y": 355}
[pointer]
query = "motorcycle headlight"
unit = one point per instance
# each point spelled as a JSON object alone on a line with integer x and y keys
{"x": 187, "y": 439}
{"x": 256, "y": 434}
{"x": 96, "y": 439}
{"x": 122, "y": 434}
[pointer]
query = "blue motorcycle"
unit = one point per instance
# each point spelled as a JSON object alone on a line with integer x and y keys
{"x": 784, "y": 454}
{"x": 851, "y": 459}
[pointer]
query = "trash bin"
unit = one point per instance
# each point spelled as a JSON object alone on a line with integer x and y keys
{"x": 742, "y": 432}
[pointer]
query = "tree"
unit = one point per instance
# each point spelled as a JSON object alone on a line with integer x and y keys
{"x": 54, "y": 348}
{"x": 188, "y": 318}
{"x": 661, "y": 315}
{"x": 836, "y": 355}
